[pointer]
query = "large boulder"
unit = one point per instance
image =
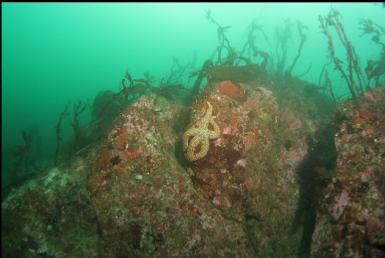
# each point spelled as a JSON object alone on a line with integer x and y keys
{"x": 239, "y": 200}
{"x": 145, "y": 201}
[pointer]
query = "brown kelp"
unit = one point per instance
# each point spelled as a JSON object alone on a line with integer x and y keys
{"x": 375, "y": 69}
{"x": 24, "y": 160}
{"x": 58, "y": 128}
{"x": 283, "y": 34}
{"x": 79, "y": 134}
{"x": 353, "y": 76}
{"x": 223, "y": 41}
{"x": 251, "y": 48}
{"x": 300, "y": 28}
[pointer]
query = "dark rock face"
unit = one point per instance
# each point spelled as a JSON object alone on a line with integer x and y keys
{"x": 351, "y": 215}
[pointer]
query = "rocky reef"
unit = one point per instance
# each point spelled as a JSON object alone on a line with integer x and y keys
{"x": 351, "y": 211}
{"x": 238, "y": 200}
{"x": 135, "y": 194}
{"x": 51, "y": 216}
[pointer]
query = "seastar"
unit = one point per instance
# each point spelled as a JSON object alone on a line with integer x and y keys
{"x": 201, "y": 134}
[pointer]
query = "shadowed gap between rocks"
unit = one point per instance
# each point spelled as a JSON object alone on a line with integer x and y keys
{"x": 314, "y": 173}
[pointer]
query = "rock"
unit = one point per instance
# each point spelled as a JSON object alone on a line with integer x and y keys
{"x": 351, "y": 214}
{"x": 51, "y": 216}
{"x": 135, "y": 195}
{"x": 161, "y": 215}
{"x": 248, "y": 173}
{"x": 237, "y": 201}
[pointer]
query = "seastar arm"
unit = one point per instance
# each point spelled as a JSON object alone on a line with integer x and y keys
{"x": 201, "y": 134}
{"x": 186, "y": 136}
{"x": 206, "y": 118}
{"x": 204, "y": 148}
{"x": 215, "y": 132}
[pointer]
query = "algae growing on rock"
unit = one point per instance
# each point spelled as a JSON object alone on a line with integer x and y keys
{"x": 204, "y": 130}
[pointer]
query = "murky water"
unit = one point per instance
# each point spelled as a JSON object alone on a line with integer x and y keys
{"x": 231, "y": 80}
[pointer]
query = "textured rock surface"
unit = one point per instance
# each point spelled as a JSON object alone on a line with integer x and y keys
{"x": 244, "y": 175}
{"x": 136, "y": 195}
{"x": 50, "y": 217}
{"x": 146, "y": 203}
{"x": 351, "y": 216}
{"x": 237, "y": 201}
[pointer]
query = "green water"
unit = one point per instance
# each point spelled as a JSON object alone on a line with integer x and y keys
{"x": 59, "y": 53}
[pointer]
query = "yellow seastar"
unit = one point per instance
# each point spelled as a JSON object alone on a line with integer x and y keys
{"x": 201, "y": 134}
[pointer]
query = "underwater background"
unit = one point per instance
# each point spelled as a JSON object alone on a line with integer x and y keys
{"x": 58, "y": 59}
{"x": 56, "y": 53}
